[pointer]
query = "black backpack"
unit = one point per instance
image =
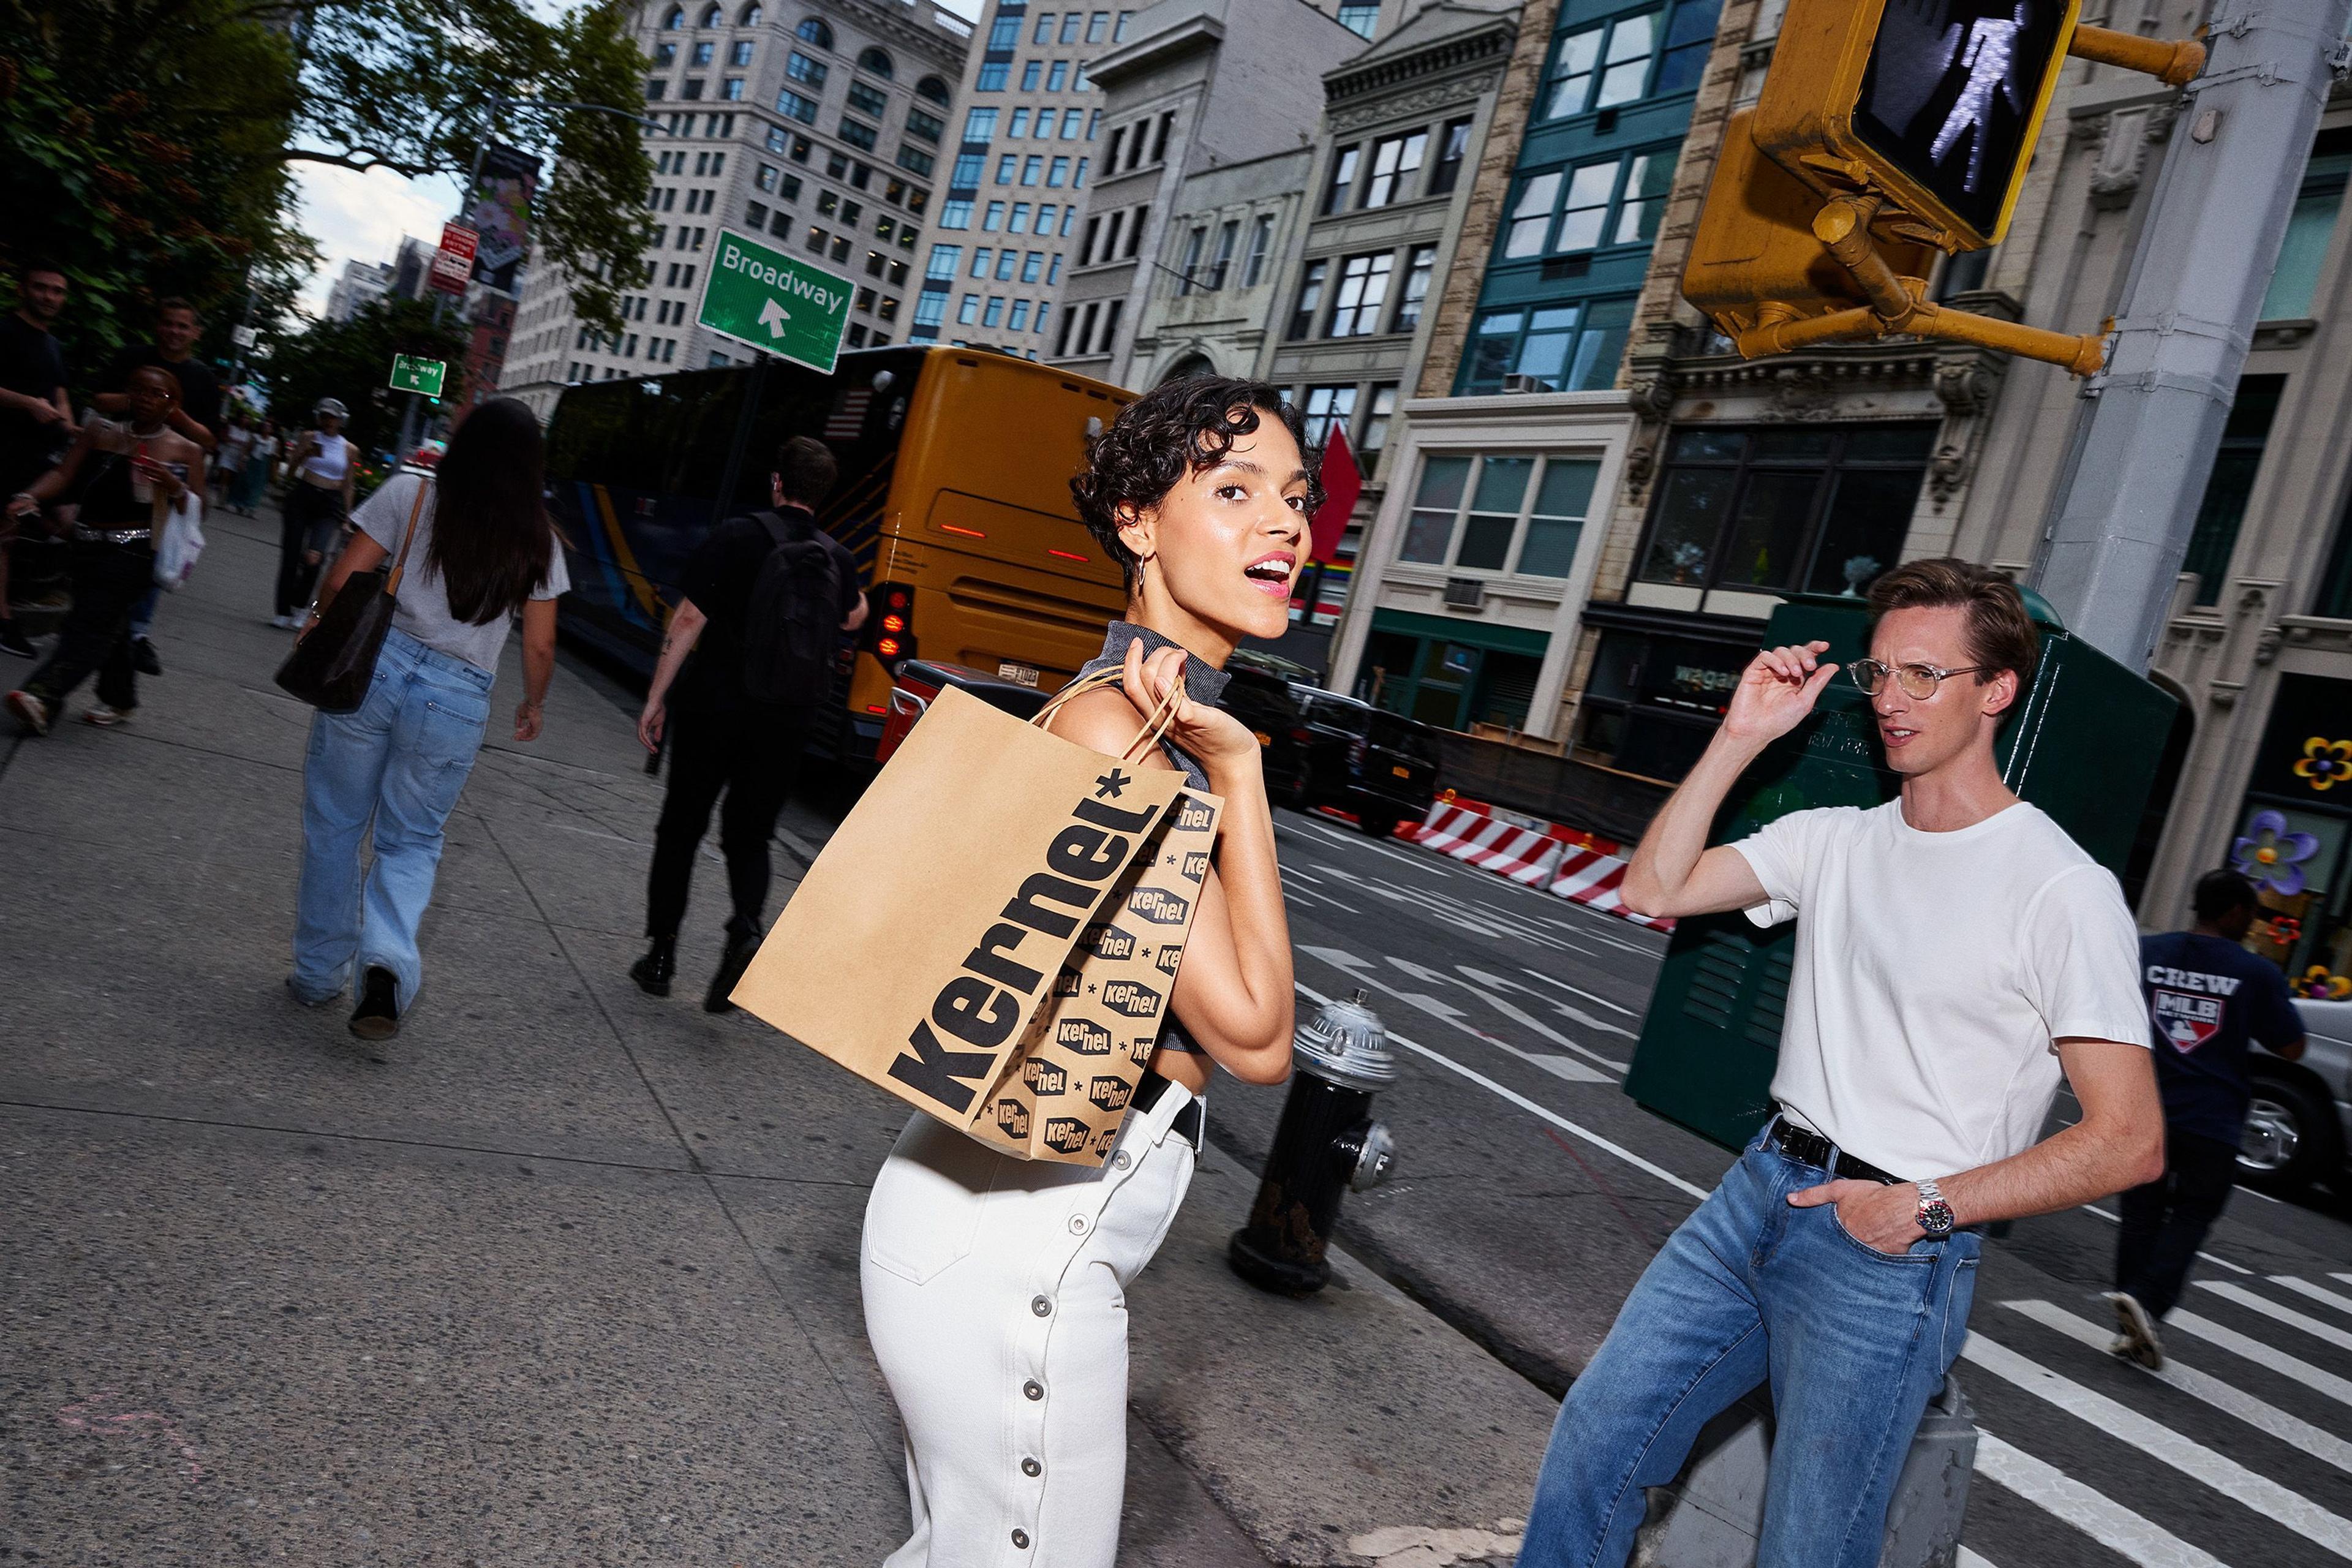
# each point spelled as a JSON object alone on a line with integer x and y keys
{"x": 792, "y": 624}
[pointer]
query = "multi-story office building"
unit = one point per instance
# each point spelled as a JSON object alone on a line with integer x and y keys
{"x": 1480, "y": 561}
{"x": 1405, "y": 122}
{"x": 1221, "y": 269}
{"x": 820, "y": 128}
{"x": 1197, "y": 85}
{"x": 361, "y": 284}
{"x": 996, "y": 252}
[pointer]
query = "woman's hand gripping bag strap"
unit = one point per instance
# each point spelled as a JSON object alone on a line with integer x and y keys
{"x": 925, "y": 941}
{"x": 333, "y": 667}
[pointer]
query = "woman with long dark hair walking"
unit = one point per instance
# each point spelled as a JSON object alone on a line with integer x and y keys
{"x": 483, "y": 549}
{"x": 995, "y": 1288}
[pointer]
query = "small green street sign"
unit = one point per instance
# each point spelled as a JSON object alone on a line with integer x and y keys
{"x": 776, "y": 303}
{"x": 419, "y": 376}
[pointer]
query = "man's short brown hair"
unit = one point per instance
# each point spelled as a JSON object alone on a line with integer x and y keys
{"x": 2000, "y": 633}
{"x": 805, "y": 470}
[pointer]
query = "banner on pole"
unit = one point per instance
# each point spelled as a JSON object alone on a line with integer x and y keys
{"x": 498, "y": 210}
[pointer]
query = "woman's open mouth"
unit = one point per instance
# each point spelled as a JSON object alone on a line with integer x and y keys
{"x": 1270, "y": 574}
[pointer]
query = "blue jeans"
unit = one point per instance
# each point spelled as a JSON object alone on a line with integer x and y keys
{"x": 399, "y": 761}
{"x": 1854, "y": 1342}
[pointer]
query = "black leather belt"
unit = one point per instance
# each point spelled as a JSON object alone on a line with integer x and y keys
{"x": 1189, "y": 1121}
{"x": 1813, "y": 1149}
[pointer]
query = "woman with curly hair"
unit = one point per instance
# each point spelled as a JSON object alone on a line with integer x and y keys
{"x": 995, "y": 1288}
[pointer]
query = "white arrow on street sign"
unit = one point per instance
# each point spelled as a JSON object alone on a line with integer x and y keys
{"x": 774, "y": 316}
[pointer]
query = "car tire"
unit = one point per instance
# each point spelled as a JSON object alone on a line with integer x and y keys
{"x": 2290, "y": 1139}
{"x": 1378, "y": 822}
{"x": 1300, "y": 796}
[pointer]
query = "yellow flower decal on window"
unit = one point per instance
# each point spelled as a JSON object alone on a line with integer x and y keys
{"x": 2325, "y": 763}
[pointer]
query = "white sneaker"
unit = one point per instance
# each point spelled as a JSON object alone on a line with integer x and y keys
{"x": 2139, "y": 1341}
{"x": 105, "y": 717}
{"x": 284, "y": 623}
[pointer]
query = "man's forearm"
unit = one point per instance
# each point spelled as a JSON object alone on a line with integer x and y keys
{"x": 2079, "y": 1164}
{"x": 1677, "y": 834}
{"x": 677, "y": 642}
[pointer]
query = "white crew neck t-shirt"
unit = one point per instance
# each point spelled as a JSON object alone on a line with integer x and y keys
{"x": 1933, "y": 973}
{"x": 421, "y": 604}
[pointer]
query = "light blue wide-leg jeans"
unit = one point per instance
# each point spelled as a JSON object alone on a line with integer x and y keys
{"x": 398, "y": 763}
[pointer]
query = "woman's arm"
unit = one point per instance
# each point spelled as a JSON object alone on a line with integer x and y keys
{"x": 361, "y": 555}
{"x": 538, "y": 664}
{"x": 1233, "y": 992}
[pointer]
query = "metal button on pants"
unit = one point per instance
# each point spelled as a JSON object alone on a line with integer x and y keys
{"x": 994, "y": 1292}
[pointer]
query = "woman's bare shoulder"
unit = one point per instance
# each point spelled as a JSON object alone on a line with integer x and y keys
{"x": 1105, "y": 721}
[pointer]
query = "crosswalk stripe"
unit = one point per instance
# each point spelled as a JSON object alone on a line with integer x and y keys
{"x": 2345, "y": 1277}
{"x": 2287, "y": 1315}
{"x": 2226, "y": 1475}
{"x": 2101, "y": 1517}
{"x": 2293, "y": 1367}
{"x": 2306, "y": 1288}
{"x": 1964, "y": 1558}
{"x": 2256, "y": 1413}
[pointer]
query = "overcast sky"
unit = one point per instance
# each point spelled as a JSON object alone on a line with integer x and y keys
{"x": 361, "y": 217}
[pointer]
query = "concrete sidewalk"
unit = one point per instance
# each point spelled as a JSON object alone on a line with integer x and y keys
{"x": 562, "y": 1274}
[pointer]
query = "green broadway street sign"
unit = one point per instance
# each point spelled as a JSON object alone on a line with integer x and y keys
{"x": 776, "y": 302}
{"x": 420, "y": 375}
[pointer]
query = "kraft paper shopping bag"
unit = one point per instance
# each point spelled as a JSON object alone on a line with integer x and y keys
{"x": 932, "y": 949}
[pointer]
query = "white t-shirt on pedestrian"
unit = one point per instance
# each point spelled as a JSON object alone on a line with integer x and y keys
{"x": 421, "y": 609}
{"x": 1933, "y": 973}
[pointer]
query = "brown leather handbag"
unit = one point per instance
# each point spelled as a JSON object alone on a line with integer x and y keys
{"x": 332, "y": 667}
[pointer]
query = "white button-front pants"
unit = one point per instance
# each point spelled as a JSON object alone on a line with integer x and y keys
{"x": 996, "y": 1299}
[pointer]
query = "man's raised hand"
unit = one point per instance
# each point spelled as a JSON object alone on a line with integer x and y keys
{"x": 1776, "y": 691}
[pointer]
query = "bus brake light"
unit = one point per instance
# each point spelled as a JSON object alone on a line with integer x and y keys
{"x": 894, "y": 623}
{"x": 887, "y": 648}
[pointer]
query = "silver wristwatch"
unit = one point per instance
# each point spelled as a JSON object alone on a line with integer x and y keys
{"x": 1935, "y": 1212}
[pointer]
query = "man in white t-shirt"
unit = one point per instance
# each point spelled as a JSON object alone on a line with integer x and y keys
{"x": 1956, "y": 953}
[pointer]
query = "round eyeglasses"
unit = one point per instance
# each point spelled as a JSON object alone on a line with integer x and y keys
{"x": 1918, "y": 681}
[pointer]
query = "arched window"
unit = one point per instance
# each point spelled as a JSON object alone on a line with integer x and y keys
{"x": 876, "y": 62}
{"x": 751, "y": 17}
{"x": 814, "y": 31}
{"x": 714, "y": 18}
{"x": 932, "y": 88}
{"x": 675, "y": 20}
{"x": 1189, "y": 364}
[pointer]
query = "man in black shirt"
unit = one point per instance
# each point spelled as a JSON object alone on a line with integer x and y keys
{"x": 198, "y": 418}
{"x": 36, "y": 419}
{"x": 722, "y": 737}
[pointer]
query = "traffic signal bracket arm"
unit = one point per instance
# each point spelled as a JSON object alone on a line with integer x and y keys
{"x": 1898, "y": 304}
{"x": 2175, "y": 63}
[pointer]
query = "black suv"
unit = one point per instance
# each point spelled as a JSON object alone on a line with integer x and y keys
{"x": 1263, "y": 702}
{"x": 1380, "y": 765}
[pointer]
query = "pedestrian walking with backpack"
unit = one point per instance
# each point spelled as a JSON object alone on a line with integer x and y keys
{"x": 747, "y": 655}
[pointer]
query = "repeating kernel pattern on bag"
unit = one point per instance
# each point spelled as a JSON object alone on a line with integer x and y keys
{"x": 1064, "y": 1090}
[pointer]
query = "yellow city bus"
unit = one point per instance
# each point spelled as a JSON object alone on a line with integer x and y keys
{"x": 954, "y": 497}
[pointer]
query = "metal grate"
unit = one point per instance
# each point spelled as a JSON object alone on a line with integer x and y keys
{"x": 1714, "y": 996}
{"x": 1465, "y": 592}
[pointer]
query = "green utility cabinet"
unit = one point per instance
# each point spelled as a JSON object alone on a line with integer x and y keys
{"x": 2082, "y": 744}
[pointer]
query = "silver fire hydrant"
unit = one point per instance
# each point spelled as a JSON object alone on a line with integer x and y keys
{"x": 1326, "y": 1145}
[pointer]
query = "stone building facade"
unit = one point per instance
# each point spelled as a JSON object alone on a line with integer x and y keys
{"x": 818, "y": 126}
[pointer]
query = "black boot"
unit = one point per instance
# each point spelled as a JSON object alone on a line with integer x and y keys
{"x": 653, "y": 971}
{"x": 743, "y": 944}
{"x": 377, "y": 1017}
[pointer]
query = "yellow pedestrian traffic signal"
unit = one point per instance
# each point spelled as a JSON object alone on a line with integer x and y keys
{"x": 1934, "y": 103}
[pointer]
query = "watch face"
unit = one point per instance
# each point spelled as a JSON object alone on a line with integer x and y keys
{"x": 1936, "y": 1218}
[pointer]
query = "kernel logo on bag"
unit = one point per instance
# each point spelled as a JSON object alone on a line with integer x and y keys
{"x": 959, "y": 944}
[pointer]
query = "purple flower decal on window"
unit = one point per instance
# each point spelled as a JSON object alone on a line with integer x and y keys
{"x": 2270, "y": 857}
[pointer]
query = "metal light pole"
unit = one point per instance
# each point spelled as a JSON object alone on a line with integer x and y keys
{"x": 2146, "y": 438}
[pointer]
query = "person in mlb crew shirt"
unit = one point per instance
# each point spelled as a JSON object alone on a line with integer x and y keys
{"x": 995, "y": 1288}
{"x": 2208, "y": 1000}
{"x": 1955, "y": 953}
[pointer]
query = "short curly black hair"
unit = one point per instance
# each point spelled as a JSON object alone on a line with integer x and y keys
{"x": 1179, "y": 427}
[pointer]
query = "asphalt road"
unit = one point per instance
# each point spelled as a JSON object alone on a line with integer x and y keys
{"x": 1530, "y": 1191}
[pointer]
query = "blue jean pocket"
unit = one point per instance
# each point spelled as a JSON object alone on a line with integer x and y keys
{"x": 449, "y": 738}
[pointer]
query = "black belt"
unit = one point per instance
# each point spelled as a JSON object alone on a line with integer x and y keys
{"x": 1189, "y": 1121}
{"x": 1813, "y": 1149}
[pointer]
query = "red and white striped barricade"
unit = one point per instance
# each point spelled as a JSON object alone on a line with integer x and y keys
{"x": 1528, "y": 855}
{"x": 1589, "y": 878}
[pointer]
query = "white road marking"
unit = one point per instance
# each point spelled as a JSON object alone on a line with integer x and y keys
{"x": 1589, "y": 996}
{"x": 1569, "y": 1067}
{"x": 1493, "y": 1000}
{"x": 2195, "y": 1461}
{"x": 1964, "y": 1558}
{"x": 2256, "y": 1413}
{"x": 1524, "y": 1103}
{"x": 2287, "y": 1315}
{"x": 2117, "y": 1219}
{"x": 2306, "y": 1288}
{"x": 2097, "y": 1516}
{"x": 2291, "y": 1367}
{"x": 2345, "y": 1277}
{"x": 1444, "y": 1012}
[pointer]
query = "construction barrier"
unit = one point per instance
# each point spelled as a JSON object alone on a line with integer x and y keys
{"x": 1589, "y": 878}
{"x": 1525, "y": 855}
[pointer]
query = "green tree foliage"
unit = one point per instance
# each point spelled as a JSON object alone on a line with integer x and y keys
{"x": 350, "y": 362}
{"x": 149, "y": 142}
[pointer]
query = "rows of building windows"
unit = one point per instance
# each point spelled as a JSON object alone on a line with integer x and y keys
{"x": 1391, "y": 169}
{"x": 1089, "y": 329}
{"x": 1206, "y": 266}
{"x": 1648, "y": 53}
{"x": 1616, "y": 200}
{"x": 1140, "y": 145}
{"x": 1364, "y": 411}
{"x": 1113, "y": 235}
{"x": 1516, "y": 514}
{"x": 1351, "y": 296}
